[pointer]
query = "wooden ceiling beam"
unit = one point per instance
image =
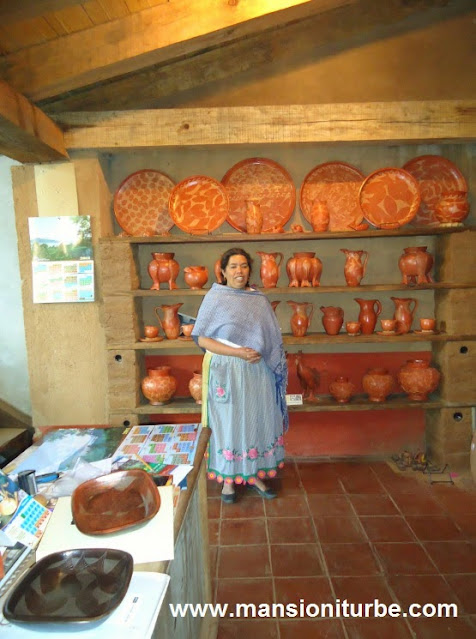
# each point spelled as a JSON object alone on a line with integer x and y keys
{"x": 11, "y": 11}
{"x": 26, "y": 133}
{"x": 379, "y": 122}
{"x": 162, "y": 33}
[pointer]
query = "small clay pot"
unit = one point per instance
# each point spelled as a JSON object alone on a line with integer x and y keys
{"x": 427, "y": 323}
{"x": 418, "y": 379}
{"x": 378, "y": 384}
{"x": 388, "y": 325}
{"x": 195, "y": 386}
{"x": 341, "y": 389}
{"x": 151, "y": 331}
{"x": 352, "y": 328}
{"x": 159, "y": 386}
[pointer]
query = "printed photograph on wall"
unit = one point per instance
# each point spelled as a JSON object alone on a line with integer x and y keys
{"x": 62, "y": 259}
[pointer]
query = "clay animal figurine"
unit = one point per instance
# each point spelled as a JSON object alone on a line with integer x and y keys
{"x": 309, "y": 378}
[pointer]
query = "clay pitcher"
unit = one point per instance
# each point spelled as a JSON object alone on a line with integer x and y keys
{"x": 404, "y": 313}
{"x": 369, "y": 311}
{"x": 195, "y": 276}
{"x": 301, "y": 318}
{"x": 319, "y": 216}
{"x": 171, "y": 322}
{"x": 163, "y": 269}
{"x": 253, "y": 217}
{"x": 354, "y": 268}
{"x": 304, "y": 269}
{"x": 217, "y": 271}
{"x": 269, "y": 271}
{"x": 332, "y": 319}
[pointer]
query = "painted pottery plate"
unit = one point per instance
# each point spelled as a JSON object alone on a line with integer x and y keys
{"x": 265, "y": 182}
{"x": 74, "y": 585}
{"x": 337, "y": 184}
{"x": 141, "y": 203}
{"x": 436, "y": 177}
{"x": 389, "y": 198}
{"x": 114, "y": 502}
{"x": 198, "y": 204}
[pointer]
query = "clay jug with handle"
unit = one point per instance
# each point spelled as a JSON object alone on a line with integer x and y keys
{"x": 171, "y": 322}
{"x": 369, "y": 311}
{"x": 269, "y": 271}
{"x": 404, "y": 313}
{"x": 332, "y": 319}
{"x": 301, "y": 318}
{"x": 354, "y": 268}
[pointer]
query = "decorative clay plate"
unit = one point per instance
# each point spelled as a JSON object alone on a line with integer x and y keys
{"x": 389, "y": 198}
{"x": 337, "y": 184}
{"x": 114, "y": 502}
{"x": 436, "y": 176}
{"x": 74, "y": 585}
{"x": 198, "y": 204}
{"x": 141, "y": 203}
{"x": 263, "y": 181}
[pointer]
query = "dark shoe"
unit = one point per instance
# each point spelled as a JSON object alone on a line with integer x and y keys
{"x": 230, "y": 498}
{"x": 266, "y": 494}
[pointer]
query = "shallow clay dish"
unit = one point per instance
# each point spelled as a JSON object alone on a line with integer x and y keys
{"x": 198, "y": 204}
{"x": 436, "y": 177}
{"x": 114, "y": 502}
{"x": 337, "y": 184}
{"x": 389, "y": 198}
{"x": 141, "y": 203}
{"x": 263, "y": 181}
{"x": 74, "y": 585}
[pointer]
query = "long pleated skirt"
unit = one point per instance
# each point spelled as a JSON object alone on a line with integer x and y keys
{"x": 239, "y": 405}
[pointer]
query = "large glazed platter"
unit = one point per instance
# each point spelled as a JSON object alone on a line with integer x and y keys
{"x": 436, "y": 177}
{"x": 141, "y": 203}
{"x": 198, "y": 204}
{"x": 74, "y": 585}
{"x": 337, "y": 184}
{"x": 389, "y": 198}
{"x": 263, "y": 181}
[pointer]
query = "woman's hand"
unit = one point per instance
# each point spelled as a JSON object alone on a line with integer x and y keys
{"x": 249, "y": 355}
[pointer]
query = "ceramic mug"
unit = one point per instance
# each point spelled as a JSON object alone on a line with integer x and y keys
{"x": 151, "y": 331}
{"x": 388, "y": 325}
{"x": 427, "y": 324}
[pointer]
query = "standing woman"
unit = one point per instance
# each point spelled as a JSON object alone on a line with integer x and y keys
{"x": 244, "y": 380}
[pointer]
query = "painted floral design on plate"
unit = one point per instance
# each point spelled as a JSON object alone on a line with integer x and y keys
{"x": 337, "y": 184}
{"x": 141, "y": 203}
{"x": 436, "y": 177}
{"x": 263, "y": 181}
{"x": 389, "y": 198}
{"x": 198, "y": 204}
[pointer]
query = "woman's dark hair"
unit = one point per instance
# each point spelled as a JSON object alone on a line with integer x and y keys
{"x": 225, "y": 258}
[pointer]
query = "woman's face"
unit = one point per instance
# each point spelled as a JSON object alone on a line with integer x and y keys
{"x": 237, "y": 271}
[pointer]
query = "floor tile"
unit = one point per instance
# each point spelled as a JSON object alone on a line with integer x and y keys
{"x": 467, "y": 524}
{"x": 295, "y": 560}
{"x": 329, "y": 505}
{"x": 359, "y": 479}
{"x": 464, "y": 586}
{"x": 214, "y": 507}
{"x": 291, "y": 530}
{"x": 358, "y": 590}
{"x": 386, "y": 628}
{"x": 453, "y": 556}
{"x": 350, "y": 559}
{"x": 247, "y": 629}
{"x": 412, "y": 504}
{"x": 335, "y": 530}
{"x": 244, "y": 561}
{"x": 290, "y": 506}
{"x": 404, "y": 559}
{"x": 213, "y": 553}
{"x": 214, "y": 489}
{"x": 233, "y": 591}
{"x": 420, "y": 589}
{"x": 214, "y": 532}
{"x": 311, "y": 629}
{"x": 373, "y": 505}
{"x": 387, "y": 529}
{"x": 243, "y": 532}
{"x": 455, "y": 500}
{"x": 245, "y": 507}
{"x": 434, "y": 528}
{"x": 309, "y": 589}
{"x": 459, "y": 628}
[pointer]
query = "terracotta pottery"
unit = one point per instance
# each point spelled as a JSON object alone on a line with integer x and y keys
{"x": 274, "y": 304}
{"x": 195, "y": 386}
{"x": 332, "y": 319}
{"x": 253, "y": 217}
{"x": 304, "y": 269}
{"x": 151, "y": 331}
{"x": 171, "y": 322}
{"x": 163, "y": 269}
{"x": 378, "y": 384}
{"x": 341, "y": 389}
{"x": 352, "y": 328}
{"x": 195, "y": 276}
{"x": 388, "y": 325}
{"x": 187, "y": 329}
{"x": 404, "y": 313}
{"x": 159, "y": 386}
{"x": 354, "y": 268}
{"x": 319, "y": 216}
{"x": 217, "y": 271}
{"x": 369, "y": 311}
{"x": 269, "y": 271}
{"x": 301, "y": 318}
{"x": 428, "y": 324}
{"x": 417, "y": 378}
{"x": 452, "y": 209}
{"x": 415, "y": 264}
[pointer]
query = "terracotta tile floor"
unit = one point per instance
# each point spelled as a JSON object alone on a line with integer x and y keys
{"x": 346, "y": 530}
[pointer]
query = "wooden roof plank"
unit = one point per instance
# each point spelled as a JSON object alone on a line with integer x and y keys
{"x": 156, "y": 35}
{"x": 369, "y": 122}
{"x": 26, "y": 9}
